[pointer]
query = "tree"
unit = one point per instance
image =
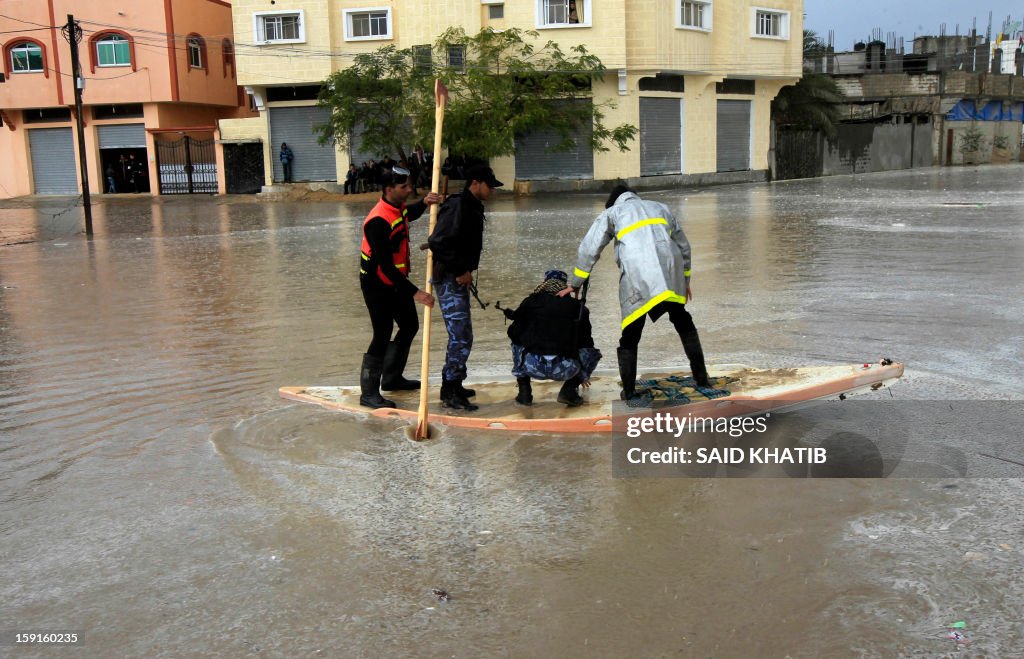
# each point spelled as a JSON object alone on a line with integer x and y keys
{"x": 501, "y": 84}
{"x": 813, "y": 102}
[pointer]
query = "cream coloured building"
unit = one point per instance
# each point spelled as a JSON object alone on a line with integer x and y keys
{"x": 697, "y": 78}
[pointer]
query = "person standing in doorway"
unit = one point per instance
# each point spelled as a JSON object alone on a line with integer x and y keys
{"x": 286, "y": 161}
{"x": 387, "y": 291}
{"x": 456, "y": 243}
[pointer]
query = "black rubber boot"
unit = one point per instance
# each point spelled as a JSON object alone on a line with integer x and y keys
{"x": 394, "y": 363}
{"x": 627, "y": 372}
{"x": 568, "y": 394}
{"x": 369, "y": 383}
{"x": 691, "y": 346}
{"x": 468, "y": 393}
{"x": 451, "y": 396}
{"x": 525, "y": 396}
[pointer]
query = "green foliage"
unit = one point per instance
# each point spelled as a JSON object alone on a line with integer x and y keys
{"x": 811, "y": 104}
{"x": 503, "y": 84}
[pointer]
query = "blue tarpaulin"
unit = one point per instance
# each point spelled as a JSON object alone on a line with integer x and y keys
{"x": 967, "y": 110}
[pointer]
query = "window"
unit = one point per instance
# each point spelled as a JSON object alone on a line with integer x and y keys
{"x": 195, "y": 53}
{"x": 695, "y": 14}
{"x": 771, "y": 24}
{"x": 276, "y": 27}
{"x": 123, "y": 111}
{"x": 422, "y": 59}
{"x": 563, "y": 13}
{"x": 27, "y": 58}
{"x": 457, "y": 57}
{"x": 367, "y": 24}
{"x": 45, "y": 115}
{"x": 113, "y": 50}
{"x": 495, "y": 11}
{"x": 228, "y": 52}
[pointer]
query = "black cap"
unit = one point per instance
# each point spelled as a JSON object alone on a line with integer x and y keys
{"x": 482, "y": 173}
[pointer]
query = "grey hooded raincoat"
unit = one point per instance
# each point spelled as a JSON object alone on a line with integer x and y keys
{"x": 652, "y": 253}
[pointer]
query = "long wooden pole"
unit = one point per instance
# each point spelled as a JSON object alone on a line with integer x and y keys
{"x": 441, "y": 99}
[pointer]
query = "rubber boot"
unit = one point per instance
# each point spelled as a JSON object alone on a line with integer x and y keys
{"x": 568, "y": 394}
{"x": 691, "y": 346}
{"x": 369, "y": 383}
{"x": 525, "y": 396}
{"x": 394, "y": 363}
{"x": 627, "y": 372}
{"x": 451, "y": 396}
{"x": 468, "y": 393}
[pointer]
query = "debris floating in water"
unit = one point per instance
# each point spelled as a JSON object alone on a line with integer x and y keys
{"x": 441, "y": 595}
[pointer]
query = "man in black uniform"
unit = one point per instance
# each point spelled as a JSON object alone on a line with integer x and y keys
{"x": 552, "y": 340}
{"x": 387, "y": 291}
{"x": 456, "y": 244}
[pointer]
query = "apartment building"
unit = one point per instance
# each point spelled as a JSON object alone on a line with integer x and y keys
{"x": 697, "y": 78}
{"x": 157, "y": 76}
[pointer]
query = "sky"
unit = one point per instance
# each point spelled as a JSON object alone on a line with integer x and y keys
{"x": 854, "y": 20}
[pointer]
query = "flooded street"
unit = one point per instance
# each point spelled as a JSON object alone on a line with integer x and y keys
{"x": 160, "y": 499}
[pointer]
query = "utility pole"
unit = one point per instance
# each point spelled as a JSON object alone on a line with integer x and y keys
{"x": 73, "y": 33}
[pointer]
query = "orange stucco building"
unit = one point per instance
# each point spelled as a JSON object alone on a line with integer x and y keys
{"x": 155, "y": 73}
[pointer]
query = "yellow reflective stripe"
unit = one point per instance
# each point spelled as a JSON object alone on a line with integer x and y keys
{"x": 686, "y": 273}
{"x": 397, "y": 222}
{"x": 579, "y": 273}
{"x": 640, "y": 224}
{"x": 667, "y": 296}
{"x": 366, "y": 257}
{"x": 401, "y": 265}
{"x": 363, "y": 272}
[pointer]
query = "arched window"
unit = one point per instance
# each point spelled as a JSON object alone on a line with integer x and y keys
{"x": 25, "y": 55}
{"x": 229, "y": 57}
{"x": 111, "y": 49}
{"x": 195, "y": 47}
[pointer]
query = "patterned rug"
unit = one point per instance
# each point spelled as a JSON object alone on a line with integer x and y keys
{"x": 677, "y": 389}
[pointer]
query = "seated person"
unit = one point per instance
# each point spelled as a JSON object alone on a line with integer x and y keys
{"x": 551, "y": 340}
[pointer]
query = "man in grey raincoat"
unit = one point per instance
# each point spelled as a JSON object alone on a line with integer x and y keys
{"x": 653, "y": 255}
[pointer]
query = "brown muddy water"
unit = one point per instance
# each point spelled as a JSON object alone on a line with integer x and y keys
{"x": 157, "y": 497}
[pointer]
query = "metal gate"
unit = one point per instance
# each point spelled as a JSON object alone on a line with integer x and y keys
{"x": 53, "y": 161}
{"x": 187, "y": 166}
{"x": 535, "y": 162}
{"x": 733, "y": 136}
{"x": 243, "y": 168}
{"x": 660, "y": 136}
{"x": 295, "y": 126}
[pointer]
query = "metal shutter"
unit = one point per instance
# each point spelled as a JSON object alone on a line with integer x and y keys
{"x": 357, "y": 154}
{"x": 312, "y": 162}
{"x": 53, "y": 161}
{"x": 660, "y": 136}
{"x": 122, "y": 136}
{"x": 733, "y": 136}
{"x": 535, "y": 162}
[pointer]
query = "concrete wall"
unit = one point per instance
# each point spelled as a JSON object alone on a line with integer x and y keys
{"x": 857, "y": 149}
{"x": 999, "y": 143}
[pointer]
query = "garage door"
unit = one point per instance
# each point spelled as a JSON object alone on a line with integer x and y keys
{"x": 534, "y": 161}
{"x": 733, "y": 136}
{"x": 660, "y": 136}
{"x": 122, "y": 136}
{"x": 53, "y": 161}
{"x": 312, "y": 162}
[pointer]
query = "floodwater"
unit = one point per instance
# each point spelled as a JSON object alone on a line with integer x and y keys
{"x": 158, "y": 497}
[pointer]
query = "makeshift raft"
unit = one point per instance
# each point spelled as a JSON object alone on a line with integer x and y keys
{"x": 748, "y": 390}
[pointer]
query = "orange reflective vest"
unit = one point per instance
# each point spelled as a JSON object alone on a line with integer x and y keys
{"x": 399, "y": 239}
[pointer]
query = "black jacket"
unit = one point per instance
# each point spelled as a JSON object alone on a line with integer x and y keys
{"x": 546, "y": 324}
{"x": 458, "y": 237}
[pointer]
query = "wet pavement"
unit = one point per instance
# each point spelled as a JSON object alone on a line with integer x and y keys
{"x": 160, "y": 499}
